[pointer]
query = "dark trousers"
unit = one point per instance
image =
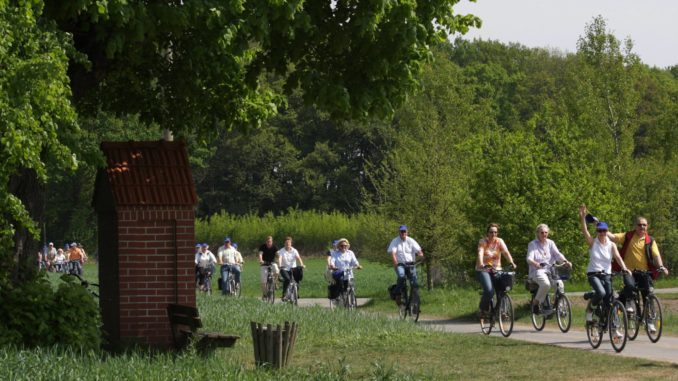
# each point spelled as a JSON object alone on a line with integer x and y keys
{"x": 633, "y": 280}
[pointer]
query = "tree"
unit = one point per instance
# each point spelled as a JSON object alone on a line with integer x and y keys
{"x": 196, "y": 68}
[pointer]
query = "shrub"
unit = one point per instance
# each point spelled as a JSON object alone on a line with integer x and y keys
{"x": 34, "y": 315}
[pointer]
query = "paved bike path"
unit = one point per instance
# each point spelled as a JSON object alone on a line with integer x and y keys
{"x": 664, "y": 350}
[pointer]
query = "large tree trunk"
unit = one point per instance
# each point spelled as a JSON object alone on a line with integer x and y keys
{"x": 30, "y": 191}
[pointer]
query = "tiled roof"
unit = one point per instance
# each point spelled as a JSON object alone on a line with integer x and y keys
{"x": 149, "y": 173}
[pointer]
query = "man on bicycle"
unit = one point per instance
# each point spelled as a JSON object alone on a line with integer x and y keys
{"x": 403, "y": 250}
{"x": 204, "y": 263}
{"x": 230, "y": 264}
{"x": 267, "y": 257}
{"x": 639, "y": 252}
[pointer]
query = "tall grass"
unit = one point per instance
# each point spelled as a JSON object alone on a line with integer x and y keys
{"x": 312, "y": 231}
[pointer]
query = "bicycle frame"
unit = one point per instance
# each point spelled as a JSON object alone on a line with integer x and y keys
{"x": 647, "y": 310}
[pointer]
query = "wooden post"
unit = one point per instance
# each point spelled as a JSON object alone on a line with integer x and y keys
{"x": 255, "y": 342}
{"x": 269, "y": 343}
{"x": 278, "y": 347}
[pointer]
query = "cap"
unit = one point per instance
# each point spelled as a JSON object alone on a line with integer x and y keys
{"x": 601, "y": 226}
{"x": 198, "y": 245}
{"x": 235, "y": 245}
{"x": 51, "y": 243}
{"x": 227, "y": 239}
{"x": 403, "y": 228}
{"x": 334, "y": 243}
{"x": 591, "y": 219}
{"x": 204, "y": 245}
{"x": 74, "y": 244}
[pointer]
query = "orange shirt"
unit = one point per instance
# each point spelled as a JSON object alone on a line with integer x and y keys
{"x": 75, "y": 254}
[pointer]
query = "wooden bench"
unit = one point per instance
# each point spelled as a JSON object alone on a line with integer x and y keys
{"x": 184, "y": 322}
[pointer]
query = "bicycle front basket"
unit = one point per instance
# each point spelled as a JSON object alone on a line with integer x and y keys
{"x": 506, "y": 280}
{"x": 563, "y": 273}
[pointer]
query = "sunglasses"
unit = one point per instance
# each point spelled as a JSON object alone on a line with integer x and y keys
{"x": 493, "y": 232}
{"x": 601, "y": 231}
{"x": 543, "y": 232}
{"x": 642, "y": 224}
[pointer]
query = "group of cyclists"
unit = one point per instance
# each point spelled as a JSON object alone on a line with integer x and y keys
{"x": 69, "y": 259}
{"x": 638, "y": 261}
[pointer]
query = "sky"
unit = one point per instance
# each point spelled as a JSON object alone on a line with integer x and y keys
{"x": 651, "y": 24}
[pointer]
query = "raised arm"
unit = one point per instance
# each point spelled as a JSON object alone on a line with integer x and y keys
{"x": 584, "y": 227}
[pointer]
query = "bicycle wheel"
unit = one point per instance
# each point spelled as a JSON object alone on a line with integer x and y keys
{"x": 351, "y": 302}
{"x": 538, "y": 320}
{"x": 270, "y": 291}
{"x": 617, "y": 326}
{"x": 414, "y": 305}
{"x": 231, "y": 286}
{"x": 563, "y": 312}
{"x": 505, "y": 315}
{"x": 237, "y": 289}
{"x": 594, "y": 331}
{"x": 208, "y": 285}
{"x": 653, "y": 318}
{"x": 403, "y": 308}
{"x": 635, "y": 318}
{"x": 294, "y": 294}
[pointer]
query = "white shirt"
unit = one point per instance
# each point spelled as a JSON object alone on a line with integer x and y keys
{"x": 228, "y": 255}
{"x": 343, "y": 260}
{"x": 288, "y": 259}
{"x": 60, "y": 259}
{"x": 405, "y": 249}
{"x": 547, "y": 253}
{"x": 600, "y": 256}
{"x": 204, "y": 260}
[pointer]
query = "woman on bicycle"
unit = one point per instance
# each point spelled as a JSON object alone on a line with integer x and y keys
{"x": 601, "y": 252}
{"x": 542, "y": 253}
{"x": 490, "y": 250}
{"x": 287, "y": 262}
{"x": 204, "y": 263}
{"x": 340, "y": 260}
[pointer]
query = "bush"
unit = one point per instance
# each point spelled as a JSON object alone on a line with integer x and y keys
{"x": 35, "y": 315}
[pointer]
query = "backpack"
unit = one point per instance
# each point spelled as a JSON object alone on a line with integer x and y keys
{"x": 648, "y": 253}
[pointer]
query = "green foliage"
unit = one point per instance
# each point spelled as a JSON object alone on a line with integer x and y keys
{"x": 37, "y": 315}
{"x": 35, "y": 109}
{"x": 312, "y": 231}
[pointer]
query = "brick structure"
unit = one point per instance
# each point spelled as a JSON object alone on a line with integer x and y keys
{"x": 145, "y": 200}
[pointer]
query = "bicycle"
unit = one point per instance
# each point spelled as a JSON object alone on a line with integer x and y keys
{"x": 233, "y": 285}
{"x": 409, "y": 306}
{"x": 269, "y": 293}
{"x": 501, "y": 305}
{"x": 610, "y": 318}
{"x": 292, "y": 291}
{"x": 563, "y": 308}
{"x": 346, "y": 298}
{"x": 649, "y": 313}
{"x": 206, "y": 275}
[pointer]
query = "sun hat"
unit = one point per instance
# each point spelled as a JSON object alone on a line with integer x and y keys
{"x": 343, "y": 240}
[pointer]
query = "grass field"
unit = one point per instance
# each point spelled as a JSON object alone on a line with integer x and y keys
{"x": 339, "y": 345}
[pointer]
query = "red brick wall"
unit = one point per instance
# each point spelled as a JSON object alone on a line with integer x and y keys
{"x": 155, "y": 257}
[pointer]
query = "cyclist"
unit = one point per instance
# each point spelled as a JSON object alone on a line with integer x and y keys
{"x": 601, "y": 252}
{"x": 403, "y": 250}
{"x": 328, "y": 270}
{"x": 640, "y": 252}
{"x": 542, "y": 253}
{"x": 230, "y": 264}
{"x": 204, "y": 263}
{"x": 267, "y": 256}
{"x": 490, "y": 250}
{"x": 341, "y": 259}
{"x": 60, "y": 261}
{"x": 287, "y": 262}
{"x": 75, "y": 259}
